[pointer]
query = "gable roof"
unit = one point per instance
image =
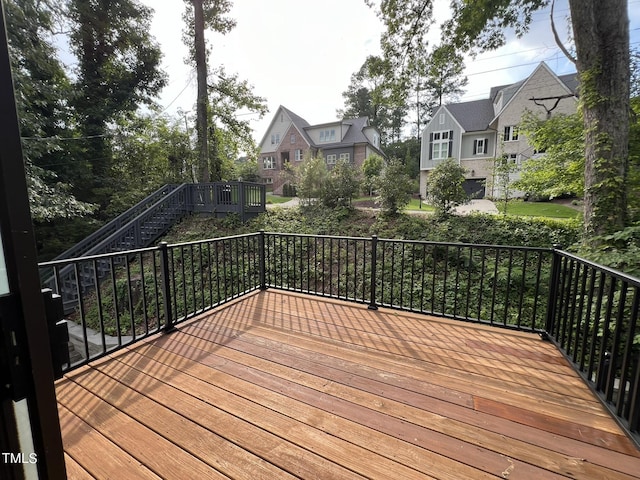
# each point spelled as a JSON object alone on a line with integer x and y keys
{"x": 472, "y": 116}
{"x": 511, "y": 91}
{"x": 478, "y": 115}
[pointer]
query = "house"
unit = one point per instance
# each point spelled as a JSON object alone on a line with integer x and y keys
{"x": 290, "y": 138}
{"x": 477, "y": 133}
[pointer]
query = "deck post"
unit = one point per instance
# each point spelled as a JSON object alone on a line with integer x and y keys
{"x": 554, "y": 288}
{"x": 166, "y": 287}
{"x": 374, "y": 261}
{"x": 262, "y": 252}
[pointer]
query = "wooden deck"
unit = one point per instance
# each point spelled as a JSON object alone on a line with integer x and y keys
{"x": 278, "y": 385}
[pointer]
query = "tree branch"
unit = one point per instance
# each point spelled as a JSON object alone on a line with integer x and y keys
{"x": 557, "y": 37}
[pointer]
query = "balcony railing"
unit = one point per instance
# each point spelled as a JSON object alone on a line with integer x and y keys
{"x": 590, "y": 312}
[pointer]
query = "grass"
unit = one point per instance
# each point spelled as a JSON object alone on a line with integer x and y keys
{"x": 417, "y": 205}
{"x": 538, "y": 209}
{"x": 273, "y": 199}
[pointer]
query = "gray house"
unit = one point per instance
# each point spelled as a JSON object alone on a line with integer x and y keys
{"x": 479, "y": 132}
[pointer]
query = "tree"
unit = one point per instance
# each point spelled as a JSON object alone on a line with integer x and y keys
{"x": 341, "y": 185}
{"x": 42, "y": 89}
{"x": 371, "y": 170}
{"x": 373, "y": 94}
{"x": 394, "y": 187}
{"x": 227, "y": 95}
{"x": 503, "y": 169}
{"x": 444, "y": 187}
{"x": 199, "y": 15}
{"x": 118, "y": 70}
{"x": 601, "y": 37}
{"x": 311, "y": 177}
{"x": 434, "y": 79}
{"x": 560, "y": 170}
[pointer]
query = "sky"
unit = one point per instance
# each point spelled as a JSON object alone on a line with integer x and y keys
{"x": 301, "y": 54}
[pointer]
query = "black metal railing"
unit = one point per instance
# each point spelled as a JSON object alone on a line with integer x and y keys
{"x": 593, "y": 319}
{"x": 590, "y": 312}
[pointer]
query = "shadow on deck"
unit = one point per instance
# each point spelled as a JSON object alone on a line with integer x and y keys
{"x": 284, "y": 385}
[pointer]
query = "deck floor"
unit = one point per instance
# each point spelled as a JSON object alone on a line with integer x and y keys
{"x": 278, "y": 385}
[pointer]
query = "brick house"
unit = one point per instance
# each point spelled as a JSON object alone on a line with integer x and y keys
{"x": 477, "y": 133}
{"x": 290, "y": 138}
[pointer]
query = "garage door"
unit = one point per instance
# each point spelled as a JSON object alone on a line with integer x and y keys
{"x": 474, "y": 188}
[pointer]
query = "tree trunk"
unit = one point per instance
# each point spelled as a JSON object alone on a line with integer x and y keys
{"x": 601, "y": 34}
{"x": 202, "y": 101}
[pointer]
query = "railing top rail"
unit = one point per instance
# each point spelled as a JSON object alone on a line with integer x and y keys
{"x": 608, "y": 270}
{"x": 101, "y": 256}
{"x": 428, "y": 242}
{"x": 215, "y": 239}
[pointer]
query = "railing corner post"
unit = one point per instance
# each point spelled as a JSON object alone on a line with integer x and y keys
{"x": 374, "y": 260}
{"x": 166, "y": 287}
{"x": 553, "y": 290}
{"x": 263, "y": 264}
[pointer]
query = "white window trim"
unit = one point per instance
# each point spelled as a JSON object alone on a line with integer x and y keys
{"x": 331, "y": 159}
{"x": 271, "y": 161}
{"x": 510, "y": 133}
{"x": 345, "y": 157}
{"x": 443, "y": 145}
{"x": 299, "y": 155}
{"x": 485, "y": 146}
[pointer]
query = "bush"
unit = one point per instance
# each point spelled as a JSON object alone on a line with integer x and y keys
{"x": 444, "y": 187}
{"x": 394, "y": 188}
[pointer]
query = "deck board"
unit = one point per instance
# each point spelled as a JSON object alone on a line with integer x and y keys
{"x": 284, "y": 385}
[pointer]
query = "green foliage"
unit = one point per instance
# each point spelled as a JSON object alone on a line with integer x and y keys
{"x": 394, "y": 188}
{"x": 227, "y": 95}
{"x": 433, "y": 79}
{"x": 619, "y": 250}
{"x": 503, "y": 169}
{"x": 41, "y": 89}
{"x": 560, "y": 171}
{"x": 311, "y": 177}
{"x": 371, "y": 169}
{"x": 341, "y": 185}
{"x": 444, "y": 187}
{"x": 118, "y": 70}
{"x": 372, "y": 93}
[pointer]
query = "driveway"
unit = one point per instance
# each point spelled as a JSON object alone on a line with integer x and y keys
{"x": 481, "y": 206}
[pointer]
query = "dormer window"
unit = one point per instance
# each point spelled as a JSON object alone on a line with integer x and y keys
{"x": 328, "y": 135}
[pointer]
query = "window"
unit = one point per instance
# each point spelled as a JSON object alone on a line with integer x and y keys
{"x": 331, "y": 159}
{"x": 299, "y": 155}
{"x": 440, "y": 145}
{"x": 293, "y": 138}
{"x": 345, "y": 157}
{"x": 511, "y": 158}
{"x": 268, "y": 163}
{"x": 510, "y": 133}
{"x": 480, "y": 146}
{"x": 267, "y": 180}
{"x": 327, "y": 136}
{"x": 442, "y": 119}
{"x": 275, "y": 139}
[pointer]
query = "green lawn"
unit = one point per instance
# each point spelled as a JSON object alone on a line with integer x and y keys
{"x": 538, "y": 209}
{"x": 273, "y": 199}
{"x": 415, "y": 204}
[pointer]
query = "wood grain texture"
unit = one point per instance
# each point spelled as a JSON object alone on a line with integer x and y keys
{"x": 284, "y": 385}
